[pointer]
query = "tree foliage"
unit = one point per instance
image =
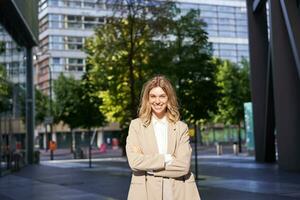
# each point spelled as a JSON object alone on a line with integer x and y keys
{"x": 233, "y": 80}
{"x": 119, "y": 54}
{"x": 187, "y": 60}
{"x": 41, "y": 106}
{"x": 5, "y": 90}
{"x": 67, "y": 100}
{"x": 76, "y": 103}
{"x": 90, "y": 114}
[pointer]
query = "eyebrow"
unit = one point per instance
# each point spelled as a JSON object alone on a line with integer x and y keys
{"x": 157, "y": 95}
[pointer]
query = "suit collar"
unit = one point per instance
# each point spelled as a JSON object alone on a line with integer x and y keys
{"x": 151, "y": 139}
{"x": 171, "y": 138}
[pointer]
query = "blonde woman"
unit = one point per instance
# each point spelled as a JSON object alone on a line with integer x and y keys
{"x": 158, "y": 148}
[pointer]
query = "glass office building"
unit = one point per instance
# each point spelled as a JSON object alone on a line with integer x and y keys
{"x": 64, "y": 25}
{"x": 18, "y": 36}
{"x": 226, "y": 25}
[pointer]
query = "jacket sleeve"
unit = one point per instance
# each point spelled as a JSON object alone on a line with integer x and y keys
{"x": 138, "y": 161}
{"x": 181, "y": 162}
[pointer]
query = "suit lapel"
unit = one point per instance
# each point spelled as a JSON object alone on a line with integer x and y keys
{"x": 151, "y": 139}
{"x": 171, "y": 138}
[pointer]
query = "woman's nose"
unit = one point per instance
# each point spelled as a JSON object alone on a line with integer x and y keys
{"x": 157, "y": 100}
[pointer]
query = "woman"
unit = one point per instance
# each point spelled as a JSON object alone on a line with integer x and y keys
{"x": 158, "y": 148}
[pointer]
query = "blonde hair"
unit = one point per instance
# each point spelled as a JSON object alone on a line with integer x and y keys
{"x": 145, "y": 111}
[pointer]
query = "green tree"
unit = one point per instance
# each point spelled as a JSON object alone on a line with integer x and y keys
{"x": 187, "y": 61}
{"x": 67, "y": 102}
{"x": 119, "y": 54}
{"x": 233, "y": 80}
{"x": 41, "y": 106}
{"x": 76, "y": 103}
{"x": 90, "y": 114}
{"x": 5, "y": 90}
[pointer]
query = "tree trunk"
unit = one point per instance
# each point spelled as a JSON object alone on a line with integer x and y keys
{"x": 239, "y": 138}
{"x": 200, "y": 135}
{"x": 73, "y": 142}
{"x": 90, "y": 149}
{"x": 196, "y": 151}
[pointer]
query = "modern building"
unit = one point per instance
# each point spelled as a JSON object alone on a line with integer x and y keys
{"x": 274, "y": 39}
{"x": 18, "y": 36}
{"x": 226, "y": 26}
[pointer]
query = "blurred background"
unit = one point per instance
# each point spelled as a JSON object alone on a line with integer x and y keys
{"x": 71, "y": 73}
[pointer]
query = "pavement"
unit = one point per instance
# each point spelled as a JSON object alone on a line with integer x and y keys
{"x": 223, "y": 177}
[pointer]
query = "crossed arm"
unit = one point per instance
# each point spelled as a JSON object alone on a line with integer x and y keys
{"x": 181, "y": 160}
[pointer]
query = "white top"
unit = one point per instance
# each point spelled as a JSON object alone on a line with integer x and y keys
{"x": 161, "y": 134}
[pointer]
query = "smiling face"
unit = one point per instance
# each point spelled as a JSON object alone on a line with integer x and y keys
{"x": 158, "y": 100}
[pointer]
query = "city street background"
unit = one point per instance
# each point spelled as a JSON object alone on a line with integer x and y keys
{"x": 225, "y": 176}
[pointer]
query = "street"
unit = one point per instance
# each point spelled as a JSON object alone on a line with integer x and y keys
{"x": 220, "y": 177}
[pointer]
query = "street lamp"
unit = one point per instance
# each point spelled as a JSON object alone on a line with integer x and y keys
{"x": 50, "y": 108}
{"x": 48, "y": 119}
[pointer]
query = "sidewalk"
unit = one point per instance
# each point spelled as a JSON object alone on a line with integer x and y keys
{"x": 225, "y": 177}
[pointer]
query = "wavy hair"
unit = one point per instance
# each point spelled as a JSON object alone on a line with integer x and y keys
{"x": 145, "y": 111}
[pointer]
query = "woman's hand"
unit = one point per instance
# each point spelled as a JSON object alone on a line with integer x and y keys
{"x": 137, "y": 149}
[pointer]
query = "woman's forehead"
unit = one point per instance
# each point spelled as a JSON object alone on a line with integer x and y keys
{"x": 157, "y": 91}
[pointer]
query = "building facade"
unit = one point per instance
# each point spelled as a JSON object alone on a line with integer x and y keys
{"x": 18, "y": 36}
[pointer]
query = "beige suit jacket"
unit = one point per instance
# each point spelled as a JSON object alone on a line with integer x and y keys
{"x": 181, "y": 180}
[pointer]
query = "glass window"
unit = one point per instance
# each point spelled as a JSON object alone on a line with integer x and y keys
{"x": 241, "y": 22}
{"x": 57, "y": 64}
{"x": 75, "y": 64}
{"x": 43, "y": 24}
{"x": 43, "y": 5}
{"x": 243, "y": 53}
{"x": 53, "y": 2}
{"x": 55, "y": 38}
{"x": 89, "y": 4}
{"x": 208, "y": 14}
{"x": 54, "y": 21}
{"x": 212, "y": 27}
{"x": 188, "y": 6}
{"x": 101, "y": 20}
{"x": 73, "y": 3}
{"x": 211, "y": 20}
{"x": 100, "y": 4}
{"x": 226, "y": 21}
{"x": 203, "y": 7}
{"x": 226, "y": 9}
{"x": 74, "y": 43}
{"x": 242, "y": 47}
{"x": 226, "y": 28}
{"x": 241, "y": 16}
{"x": 212, "y": 32}
{"x": 74, "y": 21}
{"x": 227, "y": 53}
{"x": 242, "y": 28}
{"x": 242, "y": 34}
{"x": 226, "y": 15}
{"x": 215, "y": 46}
{"x": 227, "y": 33}
{"x": 227, "y": 46}
{"x": 56, "y": 61}
{"x": 56, "y": 42}
{"x": 89, "y": 22}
